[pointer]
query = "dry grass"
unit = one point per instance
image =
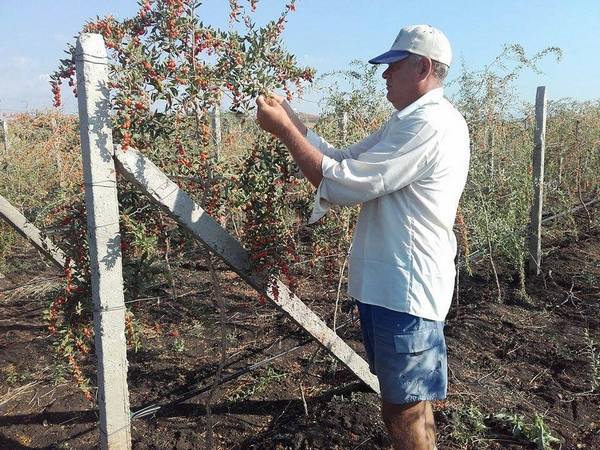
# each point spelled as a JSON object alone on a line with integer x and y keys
{"x": 41, "y": 168}
{"x": 38, "y": 288}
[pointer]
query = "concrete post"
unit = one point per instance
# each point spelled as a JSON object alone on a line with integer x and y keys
{"x": 5, "y": 135}
{"x": 216, "y": 128}
{"x": 535, "y": 224}
{"x": 104, "y": 241}
{"x": 344, "y": 127}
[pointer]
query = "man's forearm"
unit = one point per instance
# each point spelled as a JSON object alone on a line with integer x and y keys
{"x": 292, "y": 114}
{"x": 307, "y": 157}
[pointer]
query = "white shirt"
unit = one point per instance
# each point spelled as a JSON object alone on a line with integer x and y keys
{"x": 408, "y": 178}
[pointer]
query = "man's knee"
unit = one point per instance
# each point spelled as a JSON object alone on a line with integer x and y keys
{"x": 404, "y": 415}
{"x": 410, "y": 426}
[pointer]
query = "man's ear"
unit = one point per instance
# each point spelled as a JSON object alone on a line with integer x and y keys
{"x": 425, "y": 68}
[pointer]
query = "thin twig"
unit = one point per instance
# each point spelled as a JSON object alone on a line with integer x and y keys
{"x": 341, "y": 275}
{"x": 334, "y": 255}
{"x": 489, "y": 242}
{"x": 339, "y": 289}
{"x": 169, "y": 269}
{"x": 15, "y": 393}
{"x": 362, "y": 443}
{"x": 570, "y": 211}
{"x": 158, "y": 297}
{"x": 222, "y": 350}
{"x": 457, "y": 278}
{"x": 304, "y": 400}
{"x": 578, "y": 175}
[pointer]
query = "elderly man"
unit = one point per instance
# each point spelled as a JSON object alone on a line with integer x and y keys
{"x": 408, "y": 178}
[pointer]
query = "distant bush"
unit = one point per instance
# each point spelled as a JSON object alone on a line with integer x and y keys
{"x": 41, "y": 168}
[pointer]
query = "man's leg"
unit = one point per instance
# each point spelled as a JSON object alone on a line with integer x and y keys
{"x": 410, "y": 426}
{"x": 408, "y": 355}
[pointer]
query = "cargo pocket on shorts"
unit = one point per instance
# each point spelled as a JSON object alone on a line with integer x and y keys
{"x": 418, "y": 341}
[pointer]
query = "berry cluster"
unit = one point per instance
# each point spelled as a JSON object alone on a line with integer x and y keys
{"x": 263, "y": 197}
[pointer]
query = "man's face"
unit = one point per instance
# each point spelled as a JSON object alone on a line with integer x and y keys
{"x": 401, "y": 81}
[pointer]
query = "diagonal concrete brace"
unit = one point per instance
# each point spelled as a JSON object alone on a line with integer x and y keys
{"x": 30, "y": 232}
{"x": 162, "y": 191}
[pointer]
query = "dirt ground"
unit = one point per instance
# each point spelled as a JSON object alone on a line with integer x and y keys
{"x": 509, "y": 362}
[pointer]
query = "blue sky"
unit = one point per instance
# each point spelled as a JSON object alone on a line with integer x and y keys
{"x": 328, "y": 35}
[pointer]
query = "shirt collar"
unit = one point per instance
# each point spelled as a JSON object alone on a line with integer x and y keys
{"x": 432, "y": 96}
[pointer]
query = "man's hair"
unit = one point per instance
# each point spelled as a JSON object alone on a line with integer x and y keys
{"x": 440, "y": 70}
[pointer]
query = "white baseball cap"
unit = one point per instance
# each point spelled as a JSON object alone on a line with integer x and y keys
{"x": 423, "y": 40}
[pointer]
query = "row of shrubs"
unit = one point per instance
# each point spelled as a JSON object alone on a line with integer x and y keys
{"x": 42, "y": 169}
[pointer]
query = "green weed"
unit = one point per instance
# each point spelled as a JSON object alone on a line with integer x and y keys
{"x": 467, "y": 425}
{"x": 470, "y": 427}
{"x": 536, "y": 432}
{"x": 15, "y": 376}
{"x": 259, "y": 384}
{"x": 178, "y": 345}
{"x": 60, "y": 372}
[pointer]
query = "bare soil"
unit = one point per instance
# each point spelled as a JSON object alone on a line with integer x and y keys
{"x": 527, "y": 355}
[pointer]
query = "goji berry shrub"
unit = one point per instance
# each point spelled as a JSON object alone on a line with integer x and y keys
{"x": 168, "y": 69}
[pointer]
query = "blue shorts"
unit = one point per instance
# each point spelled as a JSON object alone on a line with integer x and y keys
{"x": 407, "y": 353}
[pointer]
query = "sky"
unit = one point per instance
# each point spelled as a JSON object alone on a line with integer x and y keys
{"x": 327, "y": 35}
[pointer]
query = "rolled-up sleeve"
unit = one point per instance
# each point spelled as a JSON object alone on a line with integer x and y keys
{"x": 405, "y": 154}
{"x": 352, "y": 152}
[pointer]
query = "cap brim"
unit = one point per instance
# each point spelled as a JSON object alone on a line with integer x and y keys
{"x": 390, "y": 57}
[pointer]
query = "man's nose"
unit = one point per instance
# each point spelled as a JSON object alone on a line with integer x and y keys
{"x": 385, "y": 73}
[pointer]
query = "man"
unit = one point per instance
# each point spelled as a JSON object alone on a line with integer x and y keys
{"x": 408, "y": 178}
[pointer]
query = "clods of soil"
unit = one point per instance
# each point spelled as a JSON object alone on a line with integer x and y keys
{"x": 520, "y": 371}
